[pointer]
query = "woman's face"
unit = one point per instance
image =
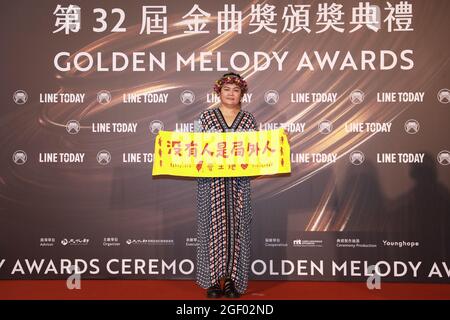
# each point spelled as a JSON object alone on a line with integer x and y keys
{"x": 230, "y": 94}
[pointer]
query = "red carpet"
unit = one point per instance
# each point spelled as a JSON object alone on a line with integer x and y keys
{"x": 188, "y": 290}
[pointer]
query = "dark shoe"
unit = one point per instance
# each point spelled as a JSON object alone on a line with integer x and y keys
{"x": 214, "y": 291}
{"x": 229, "y": 290}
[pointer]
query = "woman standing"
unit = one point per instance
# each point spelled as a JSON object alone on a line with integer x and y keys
{"x": 224, "y": 204}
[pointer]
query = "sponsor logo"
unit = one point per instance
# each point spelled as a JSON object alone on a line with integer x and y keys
{"x": 357, "y": 96}
{"x": 401, "y": 244}
{"x": 61, "y": 97}
{"x": 150, "y": 242}
{"x": 307, "y": 243}
{"x": 75, "y": 242}
{"x": 19, "y": 157}
{"x": 103, "y": 157}
{"x": 103, "y": 97}
{"x": 288, "y": 126}
{"x": 368, "y": 127}
{"x": 400, "y": 157}
{"x": 116, "y": 127}
{"x": 187, "y": 97}
{"x": 444, "y": 96}
{"x": 155, "y": 126}
{"x": 313, "y": 157}
{"x": 314, "y": 97}
{"x": 271, "y": 96}
{"x": 325, "y": 126}
{"x": 412, "y": 126}
{"x": 73, "y": 126}
{"x": 20, "y": 97}
{"x": 400, "y": 96}
{"x": 356, "y": 157}
{"x": 444, "y": 157}
{"x": 145, "y": 98}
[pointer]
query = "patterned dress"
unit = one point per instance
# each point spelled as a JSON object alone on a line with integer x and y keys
{"x": 224, "y": 214}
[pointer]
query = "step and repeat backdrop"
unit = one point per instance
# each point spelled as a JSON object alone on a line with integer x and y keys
{"x": 361, "y": 88}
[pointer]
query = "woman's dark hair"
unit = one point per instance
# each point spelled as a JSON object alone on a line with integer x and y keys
{"x": 232, "y": 74}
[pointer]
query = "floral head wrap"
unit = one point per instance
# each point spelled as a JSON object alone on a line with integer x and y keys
{"x": 231, "y": 78}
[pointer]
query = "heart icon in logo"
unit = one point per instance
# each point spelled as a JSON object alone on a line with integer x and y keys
{"x": 244, "y": 165}
{"x": 199, "y": 165}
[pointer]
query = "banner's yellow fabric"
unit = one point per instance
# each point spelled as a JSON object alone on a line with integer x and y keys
{"x": 217, "y": 154}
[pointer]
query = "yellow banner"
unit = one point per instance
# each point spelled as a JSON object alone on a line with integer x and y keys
{"x": 217, "y": 154}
